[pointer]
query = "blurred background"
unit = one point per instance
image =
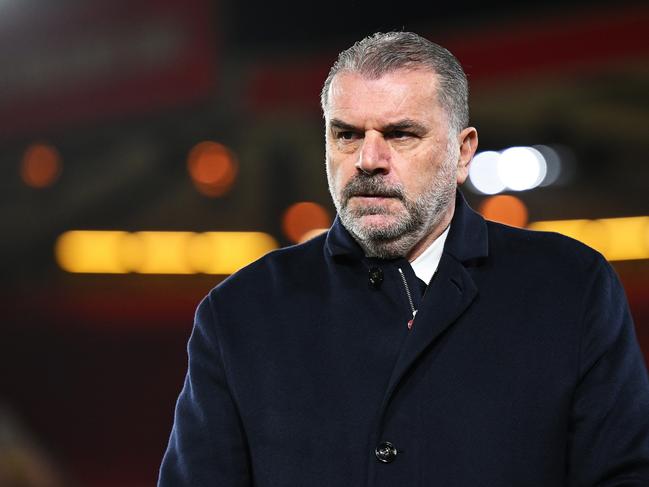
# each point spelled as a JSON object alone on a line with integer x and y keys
{"x": 149, "y": 148}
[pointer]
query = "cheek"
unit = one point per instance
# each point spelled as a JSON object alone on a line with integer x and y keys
{"x": 422, "y": 170}
{"x": 333, "y": 177}
{"x": 414, "y": 170}
{"x": 339, "y": 170}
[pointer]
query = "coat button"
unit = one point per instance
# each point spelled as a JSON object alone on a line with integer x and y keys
{"x": 386, "y": 452}
{"x": 376, "y": 277}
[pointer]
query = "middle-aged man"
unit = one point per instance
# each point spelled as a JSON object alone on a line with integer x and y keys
{"x": 415, "y": 344}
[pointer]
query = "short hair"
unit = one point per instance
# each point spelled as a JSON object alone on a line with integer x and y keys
{"x": 381, "y": 53}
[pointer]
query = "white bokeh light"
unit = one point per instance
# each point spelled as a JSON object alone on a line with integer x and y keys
{"x": 517, "y": 168}
{"x": 521, "y": 168}
{"x": 553, "y": 164}
{"x": 483, "y": 172}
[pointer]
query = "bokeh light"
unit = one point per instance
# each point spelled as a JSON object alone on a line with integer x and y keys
{"x": 212, "y": 167}
{"x": 506, "y": 209}
{"x": 304, "y": 217}
{"x": 552, "y": 164}
{"x": 515, "y": 169}
{"x": 160, "y": 252}
{"x": 94, "y": 252}
{"x": 521, "y": 168}
{"x": 226, "y": 252}
{"x": 119, "y": 252}
{"x": 483, "y": 173}
{"x": 40, "y": 166}
{"x": 618, "y": 239}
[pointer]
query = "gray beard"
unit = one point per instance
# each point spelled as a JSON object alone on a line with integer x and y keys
{"x": 420, "y": 218}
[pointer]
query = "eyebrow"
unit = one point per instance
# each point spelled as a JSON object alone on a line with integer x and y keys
{"x": 339, "y": 124}
{"x": 406, "y": 124}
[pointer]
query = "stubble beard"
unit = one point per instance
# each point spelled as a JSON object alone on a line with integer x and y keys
{"x": 417, "y": 219}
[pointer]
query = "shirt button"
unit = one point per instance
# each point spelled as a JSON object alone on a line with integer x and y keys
{"x": 375, "y": 277}
{"x": 386, "y": 452}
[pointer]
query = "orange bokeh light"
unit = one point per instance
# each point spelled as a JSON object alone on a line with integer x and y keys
{"x": 506, "y": 209}
{"x": 302, "y": 218}
{"x": 212, "y": 167}
{"x": 40, "y": 166}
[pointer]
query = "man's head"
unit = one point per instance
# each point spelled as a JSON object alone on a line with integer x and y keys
{"x": 395, "y": 108}
{"x": 382, "y": 53}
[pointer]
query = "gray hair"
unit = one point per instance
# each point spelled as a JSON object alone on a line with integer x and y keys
{"x": 382, "y": 53}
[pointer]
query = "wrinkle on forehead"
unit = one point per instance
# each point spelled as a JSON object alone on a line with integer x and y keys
{"x": 399, "y": 94}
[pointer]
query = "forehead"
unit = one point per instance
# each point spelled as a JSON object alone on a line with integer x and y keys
{"x": 396, "y": 95}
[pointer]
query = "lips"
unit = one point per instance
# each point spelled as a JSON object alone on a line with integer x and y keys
{"x": 373, "y": 196}
{"x": 376, "y": 195}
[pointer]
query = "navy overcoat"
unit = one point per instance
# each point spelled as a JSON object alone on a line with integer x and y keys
{"x": 521, "y": 369}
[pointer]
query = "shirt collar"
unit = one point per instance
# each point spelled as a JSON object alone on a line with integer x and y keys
{"x": 426, "y": 264}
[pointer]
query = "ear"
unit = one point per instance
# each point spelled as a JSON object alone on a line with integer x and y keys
{"x": 468, "y": 140}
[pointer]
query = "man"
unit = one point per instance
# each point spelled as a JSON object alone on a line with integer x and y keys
{"x": 415, "y": 344}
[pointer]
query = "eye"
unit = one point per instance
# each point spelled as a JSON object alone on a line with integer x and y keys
{"x": 347, "y": 135}
{"x": 400, "y": 134}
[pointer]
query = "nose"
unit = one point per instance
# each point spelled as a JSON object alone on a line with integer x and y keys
{"x": 374, "y": 156}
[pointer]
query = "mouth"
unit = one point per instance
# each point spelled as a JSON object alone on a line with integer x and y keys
{"x": 375, "y": 198}
{"x": 376, "y": 194}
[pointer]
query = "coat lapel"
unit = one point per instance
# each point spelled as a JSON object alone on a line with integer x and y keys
{"x": 449, "y": 294}
{"x": 451, "y": 291}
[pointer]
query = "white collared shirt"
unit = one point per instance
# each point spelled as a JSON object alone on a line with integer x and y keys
{"x": 426, "y": 264}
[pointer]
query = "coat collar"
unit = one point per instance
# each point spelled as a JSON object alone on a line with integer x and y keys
{"x": 467, "y": 239}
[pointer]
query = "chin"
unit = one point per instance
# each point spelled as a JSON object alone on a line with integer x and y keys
{"x": 378, "y": 227}
{"x": 378, "y": 221}
{"x": 387, "y": 249}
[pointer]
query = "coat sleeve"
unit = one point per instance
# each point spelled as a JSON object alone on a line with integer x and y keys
{"x": 610, "y": 415}
{"x": 207, "y": 445}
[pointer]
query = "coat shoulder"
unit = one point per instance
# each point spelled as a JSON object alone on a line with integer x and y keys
{"x": 290, "y": 266}
{"x": 549, "y": 250}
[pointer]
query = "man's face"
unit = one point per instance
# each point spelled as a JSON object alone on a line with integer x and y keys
{"x": 391, "y": 166}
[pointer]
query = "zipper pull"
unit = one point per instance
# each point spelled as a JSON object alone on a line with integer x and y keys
{"x": 411, "y": 320}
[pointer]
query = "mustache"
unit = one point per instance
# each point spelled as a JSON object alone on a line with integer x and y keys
{"x": 370, "y": 185}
